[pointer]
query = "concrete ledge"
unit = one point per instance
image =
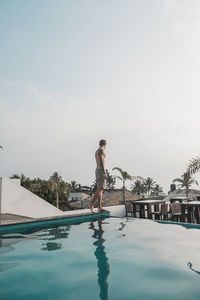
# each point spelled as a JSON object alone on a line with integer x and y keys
{"x": 6, "y": 219}
{"x": 34, "y": 224}
{"x": 115, "y": 211}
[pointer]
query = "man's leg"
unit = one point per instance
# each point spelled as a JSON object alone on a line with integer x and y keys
{"x": 100, "y": 196}
{"x": 96, "y": 194}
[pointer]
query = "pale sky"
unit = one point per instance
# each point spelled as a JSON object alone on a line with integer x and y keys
{"x": 73, "y": 72}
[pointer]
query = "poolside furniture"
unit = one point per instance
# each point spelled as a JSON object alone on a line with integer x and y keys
{"x": 129, "y": 209}
{"x": 175, "y": 209}
{"x": 156, "y": 211}
{"x": 161, "y": 212}
{"x": 164, "y": 211}
{"x": 145, "y": 208}
{"x": 191, "y": 211}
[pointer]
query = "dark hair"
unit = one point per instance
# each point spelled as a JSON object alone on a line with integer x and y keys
{"x": 102, "y": 142}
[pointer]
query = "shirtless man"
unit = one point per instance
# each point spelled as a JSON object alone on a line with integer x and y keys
{"x": 100, "y": 176}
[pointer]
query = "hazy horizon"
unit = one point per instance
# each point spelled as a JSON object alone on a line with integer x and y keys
{"x": 75, "y": 72}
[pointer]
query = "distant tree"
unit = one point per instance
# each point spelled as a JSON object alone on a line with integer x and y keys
{"x": 79, "y": 188}
{"x": 40, "y": 188}
{"x": 64, "y": 190}
{"x": 149, "y": 184}
{"x": 185, "y": 181}
{"x": 55, "y": 181}
{"x": 15, "y": 176}
{"x": 110, "y": 181}
{"x": 157, "y": 190}
{"x": 124, "y": 176}
{"x": 138, "y": 187}
{"x": 1, "y": 147}
{"x": 75, "y": 186}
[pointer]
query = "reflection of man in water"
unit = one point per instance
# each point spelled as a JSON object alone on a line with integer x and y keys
{"x": 100, "y": 176}
{"x": 102, "y": 260}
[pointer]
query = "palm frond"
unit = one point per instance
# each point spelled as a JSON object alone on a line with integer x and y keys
{"x": 179, "y": 180}
{"x": 117, "y": 177}
{"x": 137, "y": 178}
{"x": 194, "y": 165}
{"x": 118, "y": 169}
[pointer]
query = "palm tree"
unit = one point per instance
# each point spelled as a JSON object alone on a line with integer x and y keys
{"x": 15, "y": 176}
{"x": 110, "y": 181}
{"x": 138, "y": 187}
{"x": 149, "y": 184}
{"x": 194, "y": 165}
{"x": 55, "y": 181}
{"x": 185, "y": 181}
{"x": 157, "y": 190}
{"x": 74, "y": 185}
{"x": 124, "y": 177}
{"x": 79, "y": 188}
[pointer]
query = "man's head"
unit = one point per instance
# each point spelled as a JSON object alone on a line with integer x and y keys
{"x": 102, "y": 143}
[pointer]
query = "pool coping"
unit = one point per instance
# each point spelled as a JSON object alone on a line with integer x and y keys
{"x": 51, "y": 221}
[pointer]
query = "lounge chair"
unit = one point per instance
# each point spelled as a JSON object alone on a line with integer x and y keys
{"x": 129, "y": 209}
{"x": 161, "y": 212}
{"x": 175, "y": 209}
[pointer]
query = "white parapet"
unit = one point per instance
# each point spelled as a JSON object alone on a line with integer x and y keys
{"x": 15, "y": 199}
{"x": 115, "y": 211}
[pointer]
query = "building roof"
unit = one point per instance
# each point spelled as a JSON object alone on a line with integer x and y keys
{"x": 81, "y": 193}
{"x": 181, "y": 193}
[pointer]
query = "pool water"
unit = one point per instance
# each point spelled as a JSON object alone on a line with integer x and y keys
{"x": 112, "y": 258}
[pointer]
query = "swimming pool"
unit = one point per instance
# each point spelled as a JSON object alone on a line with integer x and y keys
{"x": 112, "y": 258}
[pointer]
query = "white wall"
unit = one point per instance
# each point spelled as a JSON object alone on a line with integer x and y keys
{"x": 15, "y": 199}
{"x": 117, "y": 210}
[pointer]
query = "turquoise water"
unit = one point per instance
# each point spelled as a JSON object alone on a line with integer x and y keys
{"x": 113, "y": 258}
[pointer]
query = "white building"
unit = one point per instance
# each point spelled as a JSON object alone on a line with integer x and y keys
{"x": 78, "y": 196}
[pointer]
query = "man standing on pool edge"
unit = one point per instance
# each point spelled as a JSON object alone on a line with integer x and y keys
{"x": 100, "y": 176}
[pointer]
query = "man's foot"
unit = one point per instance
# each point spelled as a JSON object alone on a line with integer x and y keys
{"x": 92, "y": 209}
{"x": 102, "y": 210}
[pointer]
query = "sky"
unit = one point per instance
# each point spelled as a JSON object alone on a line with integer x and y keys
{"x": 74, "y": 72}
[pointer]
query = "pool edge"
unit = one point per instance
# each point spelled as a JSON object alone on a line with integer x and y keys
{"x": 51, "y": 221}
